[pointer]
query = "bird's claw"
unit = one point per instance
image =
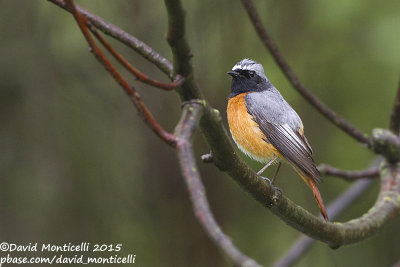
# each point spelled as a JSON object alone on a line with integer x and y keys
{"x": 266, "y": 179}
{"x": 272, "y": 184}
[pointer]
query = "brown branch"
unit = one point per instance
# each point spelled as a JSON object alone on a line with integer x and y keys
{"x": 331, "y": 115}
{"x": 130, "y": 91}
{"x": 137, "y": 45}
{"x": 395, "y": 116}
{"x": 191, "y": 114}
{"x": 303, "y": 243}
{"x": 349, "y": 175}
{"x": 139, "y": 75}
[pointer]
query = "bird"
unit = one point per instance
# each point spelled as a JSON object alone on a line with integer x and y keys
{"x": 266, "y": 128}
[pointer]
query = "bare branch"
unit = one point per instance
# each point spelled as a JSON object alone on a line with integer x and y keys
{"x": 303, "y": 243}
{"x": 349, "y": 175}
{"x": 139, "y": 75}
{"x": 331, "y": 115}
{"x": 191, "y": 114}
{"x": 137, "y": 45}
{"x": 395, "y": 116}
{"x": 130, "y": 91}
{"x": 181, "y": 50}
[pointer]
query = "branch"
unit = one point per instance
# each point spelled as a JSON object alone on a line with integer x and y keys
{"x": 349, "y": 175}
{"x": 130, "y": 91}
{"x": 386, "y": 144}
{"x": 337, "y": 206}
{"x": 139, "y": 75}
{"x": 191, "y": 114}
{"x": 137, "y": 45}
{"x": 180, "y": 50}
{"x": 395, "y": 116}
{"x": 331, "y": 115}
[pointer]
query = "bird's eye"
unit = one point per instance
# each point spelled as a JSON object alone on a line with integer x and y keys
{"x": 251, "y": 73}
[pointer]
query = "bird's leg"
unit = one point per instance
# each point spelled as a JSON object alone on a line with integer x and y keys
{"x": 276, "y": 172}
{"x": 271, "y": 182}
{"x": 266, "y": 166}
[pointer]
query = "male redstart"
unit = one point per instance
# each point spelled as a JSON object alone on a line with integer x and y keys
{"x": 266, "y": 128}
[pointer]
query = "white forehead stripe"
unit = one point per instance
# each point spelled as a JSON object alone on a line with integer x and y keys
{"x": 247, "y": 64}
{"x": 242, "y": 67}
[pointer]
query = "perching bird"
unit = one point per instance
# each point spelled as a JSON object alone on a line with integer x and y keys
{"x": 266, "y": 128}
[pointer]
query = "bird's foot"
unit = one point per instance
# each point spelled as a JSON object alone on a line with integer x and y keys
{"x": 271, "y": 182}
{"x": 267, "y": 179}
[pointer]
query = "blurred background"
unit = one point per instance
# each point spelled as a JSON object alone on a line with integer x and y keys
{"x": 77, "y": 163}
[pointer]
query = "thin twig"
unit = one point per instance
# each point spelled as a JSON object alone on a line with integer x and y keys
{"x": 303, "y": 243}
{"x": 137, "y": 45}
{"x": 395, "y": 116}
{"x": 191, "y": 114}
{"x": 130, "y": 91}
{"x": 139, "y": 75}
{"x": 331, "y": 115}
{"x": 349, "y": 175}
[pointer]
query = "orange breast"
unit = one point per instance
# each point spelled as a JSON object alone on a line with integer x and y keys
{"x": 246, "y": 133}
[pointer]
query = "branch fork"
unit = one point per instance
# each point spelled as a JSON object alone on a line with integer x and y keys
{"x": 130, "y": 90}
{"x": 387, "y": 144}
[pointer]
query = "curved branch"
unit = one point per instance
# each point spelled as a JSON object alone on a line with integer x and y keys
{"x": 387, "y": 144}
{"x": 191, "y": 114}
{"x": 349, "y": 175}
{"x": 331, "y": 115}
{"x": 303, "y": 243}
{"x": 130, "y": 91}
{"x": 137, "y": 45}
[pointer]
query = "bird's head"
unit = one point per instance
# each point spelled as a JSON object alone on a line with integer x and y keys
{"x": 248, "y": 76}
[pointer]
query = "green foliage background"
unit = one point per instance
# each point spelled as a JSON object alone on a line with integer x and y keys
{"x": 77, "y": 163}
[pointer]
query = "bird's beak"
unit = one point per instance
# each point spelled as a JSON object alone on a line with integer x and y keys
{"x": 233, "y": 73}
